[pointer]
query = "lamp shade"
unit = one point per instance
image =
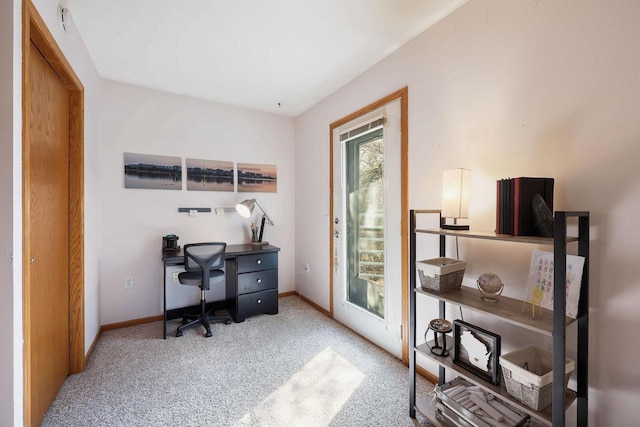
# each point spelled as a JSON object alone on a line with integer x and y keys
{"x": 455, "y": 193}
{"x": 245, "y": 208}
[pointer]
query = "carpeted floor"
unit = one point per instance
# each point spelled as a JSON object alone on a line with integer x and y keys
{"x": 297, "y": 368}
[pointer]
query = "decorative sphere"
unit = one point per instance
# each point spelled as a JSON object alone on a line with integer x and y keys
{"x": 490, "y": 286}
{"x": 490, "y": 282}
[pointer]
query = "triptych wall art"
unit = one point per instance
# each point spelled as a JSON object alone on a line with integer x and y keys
{"x": 209, "y": 175}
{"x": 147, "y": 171}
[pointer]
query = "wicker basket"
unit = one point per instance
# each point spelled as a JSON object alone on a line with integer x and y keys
{"x": 441, "y": 274}
{"x": 532, "y": 386}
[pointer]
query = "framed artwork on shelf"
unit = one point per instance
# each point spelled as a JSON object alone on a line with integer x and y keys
{"x": 152, "y": 172}
{"x": 476, "y": 350}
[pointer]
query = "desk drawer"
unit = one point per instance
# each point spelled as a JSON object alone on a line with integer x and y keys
{"x": 257, "y": 303}
{"x": 257, "y": 262}
{"x": 257, "y": 281}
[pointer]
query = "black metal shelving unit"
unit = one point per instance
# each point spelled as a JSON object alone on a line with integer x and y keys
{"x": 509, "y": 312}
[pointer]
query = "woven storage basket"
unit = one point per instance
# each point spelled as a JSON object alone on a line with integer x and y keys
{"x": 441, "y": 274}
{"x": 532, "y": 386}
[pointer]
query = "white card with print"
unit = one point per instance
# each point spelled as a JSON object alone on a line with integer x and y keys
{"x": 541, "y": 277}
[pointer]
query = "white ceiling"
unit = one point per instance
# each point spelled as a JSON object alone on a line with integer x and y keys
{"x": 279, "y": 56}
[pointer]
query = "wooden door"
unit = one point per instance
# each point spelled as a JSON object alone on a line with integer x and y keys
{"x": 47, "y": 191}
{"x": 52, "y": 217}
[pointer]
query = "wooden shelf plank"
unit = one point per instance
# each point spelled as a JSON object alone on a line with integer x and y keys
{"x": 544, "y": 416}
{"x": 488, "y": 235}
{"x": 428, "y": 410}
{"x": 508, "y": 309}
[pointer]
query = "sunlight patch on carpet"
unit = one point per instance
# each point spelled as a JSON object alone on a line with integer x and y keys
{"x": 311, "y": 397}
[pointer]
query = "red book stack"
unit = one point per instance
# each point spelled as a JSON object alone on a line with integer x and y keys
{"x": 514, "y": 204}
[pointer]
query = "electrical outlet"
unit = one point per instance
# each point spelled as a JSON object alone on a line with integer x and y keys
{"x": 128, "y": 282}
{"x": 175, "y": 276}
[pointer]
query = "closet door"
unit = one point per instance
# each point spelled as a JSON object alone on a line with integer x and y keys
{"x": 46, "y": 193}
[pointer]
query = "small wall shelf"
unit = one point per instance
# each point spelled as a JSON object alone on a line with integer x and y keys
{"x": 194, "y": 209}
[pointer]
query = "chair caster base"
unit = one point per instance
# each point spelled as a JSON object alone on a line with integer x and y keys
{"x": 203, "y": 320}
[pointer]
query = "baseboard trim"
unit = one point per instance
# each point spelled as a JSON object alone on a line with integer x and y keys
{"x": 92, "y": 347}
{"x": 314, "y": 305}
{"x": 433, "y": 379}
{"x": 287, "y": 294}
{"x": 143, "y": 320}
{"x": 133, "y": 322}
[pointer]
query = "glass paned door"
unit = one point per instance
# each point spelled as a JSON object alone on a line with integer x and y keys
{"x": 365, "y": 222}
{"x": 366, "y": 238}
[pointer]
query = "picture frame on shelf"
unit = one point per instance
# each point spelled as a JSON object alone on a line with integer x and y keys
{"x": 477, "y": 350}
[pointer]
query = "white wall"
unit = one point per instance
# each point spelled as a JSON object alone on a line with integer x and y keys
{"x": 530, "y": 88}
{"x": 139, "y": 120}
{"x": 10, "y": 336}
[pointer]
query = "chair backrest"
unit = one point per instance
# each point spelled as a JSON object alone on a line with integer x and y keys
{"x": 204, "y": 257}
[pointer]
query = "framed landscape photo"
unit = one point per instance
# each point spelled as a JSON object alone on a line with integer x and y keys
{"x": 257, "y": 178}
{"x": 153, "y": 172}
{"x": 476, "y": 350}
{"x": 209, "y": 175}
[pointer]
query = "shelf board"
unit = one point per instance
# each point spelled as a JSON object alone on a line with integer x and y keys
{"x": 544, "y": 416}
{"x": 487, "y": 235}
{"x": 508, "y": 309}
{"x": 428, "y": 410}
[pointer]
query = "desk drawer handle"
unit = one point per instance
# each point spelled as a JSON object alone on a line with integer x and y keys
{"x": 259, "y": 280}
{"x": 259, "y": 301}
{"x": 259, "y": 262}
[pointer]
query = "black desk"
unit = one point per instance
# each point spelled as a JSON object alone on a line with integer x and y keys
{"x": 251, "y": 282}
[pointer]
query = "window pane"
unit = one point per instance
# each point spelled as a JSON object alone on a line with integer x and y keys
{"x": 365, "y": 244}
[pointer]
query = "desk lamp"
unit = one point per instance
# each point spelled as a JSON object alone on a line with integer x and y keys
{"x": 245, "y": 209}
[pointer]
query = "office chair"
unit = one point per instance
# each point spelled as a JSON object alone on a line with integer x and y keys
{"x": 204, "y": 265}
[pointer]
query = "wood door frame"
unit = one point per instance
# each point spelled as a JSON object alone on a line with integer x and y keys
{"x": 35, "y": 30}
{"x": 403, "y": 96}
